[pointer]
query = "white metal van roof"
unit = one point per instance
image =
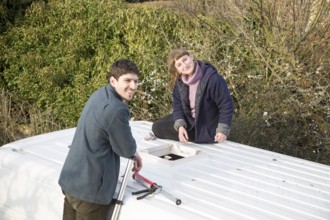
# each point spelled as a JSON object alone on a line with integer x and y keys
{"x": 226, "y": 181}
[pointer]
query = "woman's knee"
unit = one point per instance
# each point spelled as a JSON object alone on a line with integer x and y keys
{"x": 156, "y": 128}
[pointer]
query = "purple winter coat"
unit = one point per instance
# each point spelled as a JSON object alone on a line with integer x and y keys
{"x": 214, "y": 105}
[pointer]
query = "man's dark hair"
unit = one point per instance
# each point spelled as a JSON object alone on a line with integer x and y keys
{"x": 121, "y": 67}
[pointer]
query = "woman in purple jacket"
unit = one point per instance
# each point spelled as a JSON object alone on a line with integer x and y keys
{"x": 202, "y": 106}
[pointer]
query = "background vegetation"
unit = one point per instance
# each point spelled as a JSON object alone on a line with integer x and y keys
{"x": 274, "y": 56}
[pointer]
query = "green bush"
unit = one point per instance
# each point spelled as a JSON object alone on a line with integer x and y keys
{"x": 275, "y": 61}
{"x": 60, "y": 54}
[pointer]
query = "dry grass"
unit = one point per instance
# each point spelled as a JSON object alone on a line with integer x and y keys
{"x": 19, "y": 121}
{"x": 153, "y": 4}
{"x": 278, "y": 70}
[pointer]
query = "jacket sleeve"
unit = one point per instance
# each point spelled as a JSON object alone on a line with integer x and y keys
{"x": 120, "y": 134}
{"x": 223, "y": 100}
{"x": 178, "y": 114}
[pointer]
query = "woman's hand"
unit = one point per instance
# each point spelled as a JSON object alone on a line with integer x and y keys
{"x": 183, "y": 135}
{"x": 219, "y": 137}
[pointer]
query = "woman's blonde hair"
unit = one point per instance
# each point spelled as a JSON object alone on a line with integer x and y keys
{"x": 174, "y": 55}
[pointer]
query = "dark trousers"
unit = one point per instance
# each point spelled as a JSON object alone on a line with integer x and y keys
{"x": 164, "y": 128}
{"x": 75, "y": 209}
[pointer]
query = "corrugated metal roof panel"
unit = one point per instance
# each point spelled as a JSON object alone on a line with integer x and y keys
{"x": 226, "y": 181}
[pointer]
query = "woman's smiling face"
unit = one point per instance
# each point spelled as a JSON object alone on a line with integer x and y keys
{"x": 185, "y": 65}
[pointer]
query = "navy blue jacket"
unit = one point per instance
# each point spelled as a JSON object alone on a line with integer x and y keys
{"x": 103, "y": 134}
{"x": 214, "y": 106}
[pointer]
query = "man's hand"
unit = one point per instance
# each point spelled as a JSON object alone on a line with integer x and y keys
{"x": 137, "y": 163}
{"x": 219, "y": 137}
{"x": 183, "y": 135}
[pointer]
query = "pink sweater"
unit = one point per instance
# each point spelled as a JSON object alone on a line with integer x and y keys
{"x": 192, "y": 82}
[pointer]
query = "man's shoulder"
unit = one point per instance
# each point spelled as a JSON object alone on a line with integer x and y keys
{"x": 114, "y": 105}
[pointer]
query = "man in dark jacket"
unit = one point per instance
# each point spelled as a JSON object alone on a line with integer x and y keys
{"x": 103, "y": 135}
{"x": 202, "y": 105}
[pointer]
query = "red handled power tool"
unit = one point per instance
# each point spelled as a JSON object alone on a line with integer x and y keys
{"x": 152, "y": 188}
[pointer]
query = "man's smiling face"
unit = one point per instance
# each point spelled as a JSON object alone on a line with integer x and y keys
{"x": 126, "y": 85}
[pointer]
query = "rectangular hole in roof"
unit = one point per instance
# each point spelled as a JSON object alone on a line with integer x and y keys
{"x": 173, "y": 153}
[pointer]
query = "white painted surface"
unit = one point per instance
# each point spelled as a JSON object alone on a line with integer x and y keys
{"x": 226, "y": 181}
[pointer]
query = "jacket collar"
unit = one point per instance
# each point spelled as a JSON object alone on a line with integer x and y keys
{"x": 112, "y": 90}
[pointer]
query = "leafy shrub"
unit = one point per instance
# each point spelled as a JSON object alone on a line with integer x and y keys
{"x": 61, "y": 52}
{"x": 274, "y": 59}
{"x": 276, "y": 62}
